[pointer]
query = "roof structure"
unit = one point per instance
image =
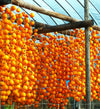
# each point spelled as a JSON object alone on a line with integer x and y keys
{"x": 72, "y": 8}
{"x": 58, "y": 12}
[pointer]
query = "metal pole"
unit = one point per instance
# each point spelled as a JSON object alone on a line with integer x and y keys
{"x": 87, "y": 57}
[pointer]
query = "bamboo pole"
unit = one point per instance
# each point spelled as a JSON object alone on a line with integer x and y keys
{"x": 87, "y": 57}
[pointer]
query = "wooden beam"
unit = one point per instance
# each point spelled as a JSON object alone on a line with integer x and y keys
{"x": 30, "y": 6}
{"x": 95, "y": 27}
{"x": 74, "y": 25}
{"x": 67, "y": 32}
{"x": 41, "y": 26}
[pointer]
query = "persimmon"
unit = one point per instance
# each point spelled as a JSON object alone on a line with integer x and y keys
{"x": 18, "y": 10}
{"x": 4, "y": 15}
{"x": 13, "y": 69}
{"x": 26, "y": 20}
{"x": 32, "y": 15}
{"x": 32, "y": 71}
{"x": 13, "y": 8}
{"x": 35, "y": 30}
{"x": 7, "y": 10}
{"x": 1, "y": 9}
{"x": 32, "y": 23}
{"x": 19, "y": 21}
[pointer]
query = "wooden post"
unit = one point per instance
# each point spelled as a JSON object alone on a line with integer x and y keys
{"x": 59, "y": 106}
{"x": 42, "y": 103}
{"x": 79, "y": 105}
{"x": 74, "y": 104}
{"x": 87, "y": 57}
{"x": 92, "y": 105}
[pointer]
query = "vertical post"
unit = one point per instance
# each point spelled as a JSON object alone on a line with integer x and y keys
{"x": 59, "y": 106}
{"x": 42, "y": 103}
{"x": 13, "y": 105}
{"x": 74, "y": 104}
{"x": 87, "y": 57}
{"x": 92, "y": 105}
{"x": 79, "y": 105}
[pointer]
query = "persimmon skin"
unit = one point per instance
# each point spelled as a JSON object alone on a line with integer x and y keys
{"x": 31, "y": 71}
